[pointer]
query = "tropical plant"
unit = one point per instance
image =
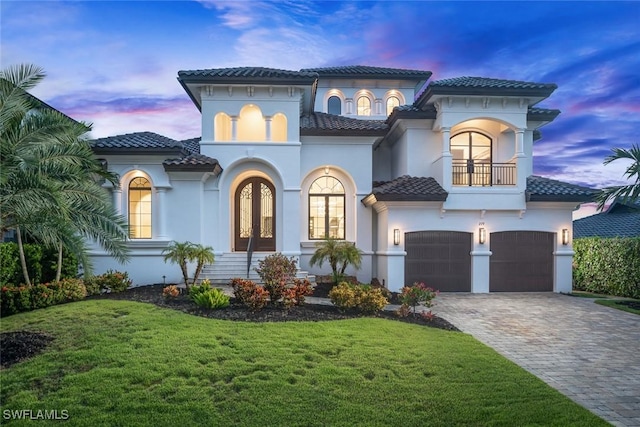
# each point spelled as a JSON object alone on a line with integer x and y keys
{"x": 625, "y": 193}
{"x": 182, "y": 253}
{"x": 276, "y": 272}
{"x": 201, "y": 255}
{"x": 339, "y": 254}
{"x": 49, "y": 191}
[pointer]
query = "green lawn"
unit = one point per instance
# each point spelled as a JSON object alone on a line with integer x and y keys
{"x": 608, "y": 300}
{"x": 121, "y": 363}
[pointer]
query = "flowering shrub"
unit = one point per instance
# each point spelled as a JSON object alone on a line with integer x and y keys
{"x": 413, "y": 296}
{"x": 114, "y": 281}
{"x": 211, "y": 298}
{"x": 248, "y": 293}
{"x": 170, "y": 291}
{"x": 16, "y": 299}
{"x": 92, "y": 286}
{"x": 361, "y": 297}
{"x": 276, "y": 271}
{"x": 295, "y": 295}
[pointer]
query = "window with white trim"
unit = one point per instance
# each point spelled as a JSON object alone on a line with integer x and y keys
{"x": 326, "y": 209}
{"x": 139, "y": 208}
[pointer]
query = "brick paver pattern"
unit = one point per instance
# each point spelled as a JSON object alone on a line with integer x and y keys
{"x": 589, "y": 352}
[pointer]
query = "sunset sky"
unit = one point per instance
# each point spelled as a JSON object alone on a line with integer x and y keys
{"x": 115, "y": 63}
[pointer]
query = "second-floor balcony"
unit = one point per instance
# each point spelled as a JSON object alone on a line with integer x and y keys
{"x": 481, "y": 173}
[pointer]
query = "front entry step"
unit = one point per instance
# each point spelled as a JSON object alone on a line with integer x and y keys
{"x": 234, "y": 264}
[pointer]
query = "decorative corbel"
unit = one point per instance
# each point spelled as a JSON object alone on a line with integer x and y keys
{"x": 270, "y": 91}
{"x": 230, "y": 89}
{"x": 522, "y": 213}
{"x": 482, "y": 213}
{"x": 442, "y": 211}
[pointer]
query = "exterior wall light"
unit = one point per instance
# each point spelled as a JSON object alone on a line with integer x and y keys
{"x": 565, "y": 236}
{"x": 482, "y": 235}
{"x": 396, "y": 236}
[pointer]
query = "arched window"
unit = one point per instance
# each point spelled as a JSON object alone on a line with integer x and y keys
{"x": 471, "y": 152}
{"x": 364, "y": 106}
{"x": 251, "y": 125}
{"x": 279, "y": 127}
{"x": 334, "y": 105}
{"x": 326, "y": 209}
{"x": 140, "y": 208}
{"x": 222, "y": 127}
{"x": 392, "y": 102}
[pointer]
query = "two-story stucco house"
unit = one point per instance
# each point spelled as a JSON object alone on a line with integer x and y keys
{"x": 432, "y": 179}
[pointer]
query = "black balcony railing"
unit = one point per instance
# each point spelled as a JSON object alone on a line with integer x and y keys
{"x": 475, "y": 173}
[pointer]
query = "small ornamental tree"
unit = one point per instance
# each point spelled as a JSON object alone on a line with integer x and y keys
{"x": 182, "y": 253}
{"x": 339, "y": 254}
{"x": 413, "y": 296}
{"x": 276, "y": 272}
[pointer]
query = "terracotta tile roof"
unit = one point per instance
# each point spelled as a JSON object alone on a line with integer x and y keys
{"x": 330, "y": 124}
{"x": 543, "y": 114}
{"x": 367, "y": 72}
{"x": 138, "y": 141}
{"x": 409, "y": 188}
{"x": 484, "y": 82}
{"x": 541, "y": 189}
{"x": 484, "y": 86}
{"x": 192, "y": 145}
{"x": 192, "y": 163}
{"x": 622, "y": 224}
{"x": 244, "y": 74}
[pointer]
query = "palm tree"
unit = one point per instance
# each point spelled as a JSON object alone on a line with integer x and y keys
{"x": 350, "y": 255}
{"x": 202, "y": 255}
{"x": 180, "y": 253}
{"x": 48, "y": 187}
{"x": 336, "y": 253}
{"x": 625, "y": 193}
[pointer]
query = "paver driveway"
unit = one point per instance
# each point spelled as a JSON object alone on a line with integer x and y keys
{"x": 589, "y": 352}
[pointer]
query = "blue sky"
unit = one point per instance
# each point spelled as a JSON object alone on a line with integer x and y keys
{"x": 114, "y": 63}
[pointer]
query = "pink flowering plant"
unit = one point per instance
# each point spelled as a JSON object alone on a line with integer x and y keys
{"x": 413, "y": 296}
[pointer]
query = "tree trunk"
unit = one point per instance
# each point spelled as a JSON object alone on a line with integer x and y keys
{"x": 59, "y": 270}
{"x": 23, "y": 261}
{"x": 185, "y": 274}
{"x": 198, "y": 271}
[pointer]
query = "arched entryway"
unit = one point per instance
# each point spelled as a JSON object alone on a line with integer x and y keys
{"x": 255, "y": 212}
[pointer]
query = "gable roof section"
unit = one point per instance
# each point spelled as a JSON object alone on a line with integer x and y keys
{"x": 619, "y": 220}
{"x": 541, "y": 189}
{"x": 185, "y": 154}
{"x": 334, "y": 125}
{"x": 138, "y": 142}
{"x": 368, "y": 72}
{"x": 407, "y": 188}
{"x": 247, "y": 74}
{"x": 485, "y": 86}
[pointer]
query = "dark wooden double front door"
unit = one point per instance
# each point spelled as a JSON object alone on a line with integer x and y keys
{"x": 255, "y": 219}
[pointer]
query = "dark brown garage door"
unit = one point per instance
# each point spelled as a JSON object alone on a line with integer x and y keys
{"x": 521, "y": 261}
{"x": 440, "y": 259}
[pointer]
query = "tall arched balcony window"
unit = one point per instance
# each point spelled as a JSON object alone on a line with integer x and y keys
{"x": 392, "y": 102}
{"x": 251, "y": 124}
{"x": 334, "y": 105}
{"x": 326, "y": 209}
{"x": 279, "y": 128}
{"x": 472, "y": 161}
{"x": 222, "y": 127}
{"x": 364, "y": 106}
{"x": 139, "y": 208}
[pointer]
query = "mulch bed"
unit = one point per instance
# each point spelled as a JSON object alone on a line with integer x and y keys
{"x": 21, "y": 345}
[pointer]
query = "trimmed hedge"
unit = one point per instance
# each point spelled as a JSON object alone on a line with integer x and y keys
{"x": 41, "y": 264}
{"x": 607, "y": 266}
{"x": 16, "y": 299}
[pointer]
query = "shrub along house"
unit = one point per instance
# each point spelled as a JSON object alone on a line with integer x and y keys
{"x": 431, "y": 179}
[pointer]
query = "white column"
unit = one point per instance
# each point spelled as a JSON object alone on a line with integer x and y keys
{"x": 267, "y": 125}
{"x": 378, "y": 103}
{"x": 480, "y": 266}
{"x": 161, "y": 216}
{"x": 234, "y": 128}
{"x": 349, "y": 105}
{"x": 447, "y": 169}
{"x": 521, "y": 159}
{"x": 117, "y": 200}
